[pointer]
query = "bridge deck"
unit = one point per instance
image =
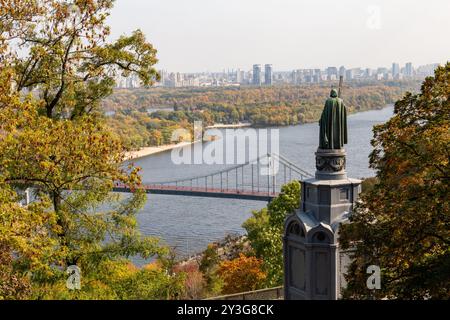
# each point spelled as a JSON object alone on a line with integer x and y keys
{"x": 203, "y": 192}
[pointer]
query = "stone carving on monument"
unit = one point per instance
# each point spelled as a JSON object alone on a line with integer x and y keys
{"x": 313, "y": 263}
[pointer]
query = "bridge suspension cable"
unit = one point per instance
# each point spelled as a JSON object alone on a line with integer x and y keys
{"x": 287, "y": 165}
{"x": 258, "y": 179}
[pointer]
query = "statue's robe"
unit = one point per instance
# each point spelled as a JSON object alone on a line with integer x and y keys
{"x": 333, "y": 124}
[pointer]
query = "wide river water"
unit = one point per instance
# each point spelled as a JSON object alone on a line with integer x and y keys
{"x": 189, "y": 223}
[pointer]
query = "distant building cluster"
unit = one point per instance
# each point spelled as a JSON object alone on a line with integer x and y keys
{"x": 129, "y": 82}
{"x": 259, "y": 76}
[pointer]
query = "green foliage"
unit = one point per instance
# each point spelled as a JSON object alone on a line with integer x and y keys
{"x": 55, "y": 67}
{"x": 265, "y": 231}
{"x": 118, "y": 280}
{"x": 210, "y": 259}
{"x": 403, "y": 222}
{"x": 139, "y": 129}
{"x": 150, "y": 285}
{"x": 25, "y": 244}
{"x": 208, "y": 266}
{"x": 255, "y": 227}
{"x": 368, "y": 184}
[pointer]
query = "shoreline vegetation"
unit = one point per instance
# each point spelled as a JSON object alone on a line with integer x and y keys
{"x": 148, "y": 151}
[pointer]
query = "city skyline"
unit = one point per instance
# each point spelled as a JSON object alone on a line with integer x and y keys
{"x": 195, "y": 36}
{"x": 266, "y": 75}
{"x": 263, "y": 64}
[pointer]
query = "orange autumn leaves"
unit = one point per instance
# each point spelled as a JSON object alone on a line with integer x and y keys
{"x": 241, "y": 274}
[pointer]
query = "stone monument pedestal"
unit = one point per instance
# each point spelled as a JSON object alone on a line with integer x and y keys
{"x": 330, "y": 164}
{"x": 313, "y": 263}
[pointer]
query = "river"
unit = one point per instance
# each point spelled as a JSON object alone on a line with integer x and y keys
{"x": 190, "y": 223}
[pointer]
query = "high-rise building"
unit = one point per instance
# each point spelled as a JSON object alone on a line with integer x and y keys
{"x": 257, "y": 74}
{"x": 239, "y": 76}
{"x": 162, "y": 77}
{"x": 409, "y": 69}
{"x": 244, "y": 75}
{"x": 395, "y": 69}
{"x": 268, "y": 74}
{"x": 294, "y": 77}
{"x": 349, "y": 74}
{"x": 332, "y": 73}
{"x": 342, "y": 71}
{"x": 316, "y": 78}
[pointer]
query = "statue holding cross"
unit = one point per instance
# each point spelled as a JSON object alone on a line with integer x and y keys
{"x": 333, "y": 123}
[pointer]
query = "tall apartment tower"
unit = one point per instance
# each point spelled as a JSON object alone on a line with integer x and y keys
{"x": 409, "y": 69}
{"x": 342, "y": 71}
{"x": 332, "y": 73}
{"x": 268, "y": 74}
{"x": 238, "y": 76}
{"x": 257, "y": 74}
{"x": 395, "y": 69}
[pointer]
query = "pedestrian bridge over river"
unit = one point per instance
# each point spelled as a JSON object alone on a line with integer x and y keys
{"x": 260, "y": 179}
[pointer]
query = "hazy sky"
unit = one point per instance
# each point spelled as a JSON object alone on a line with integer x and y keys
{"x": 212, "y": 35}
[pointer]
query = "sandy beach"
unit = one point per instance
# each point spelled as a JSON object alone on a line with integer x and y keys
{"x": 147, "y": 151}
{"x": 229, "y": 126}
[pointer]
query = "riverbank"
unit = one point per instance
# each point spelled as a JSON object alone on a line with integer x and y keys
{"x": 227, "y": 248}
{"x": 148, "y": 151}
{"x": 229, "y": 126}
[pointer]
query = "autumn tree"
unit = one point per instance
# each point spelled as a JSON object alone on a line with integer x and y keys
{"x": 403, "y": 221}
{"x": 56, "y": 66}
{"x": 241, "y": 274}
{"x": 25, "y": 244}
{"x": 194, "y": 285}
